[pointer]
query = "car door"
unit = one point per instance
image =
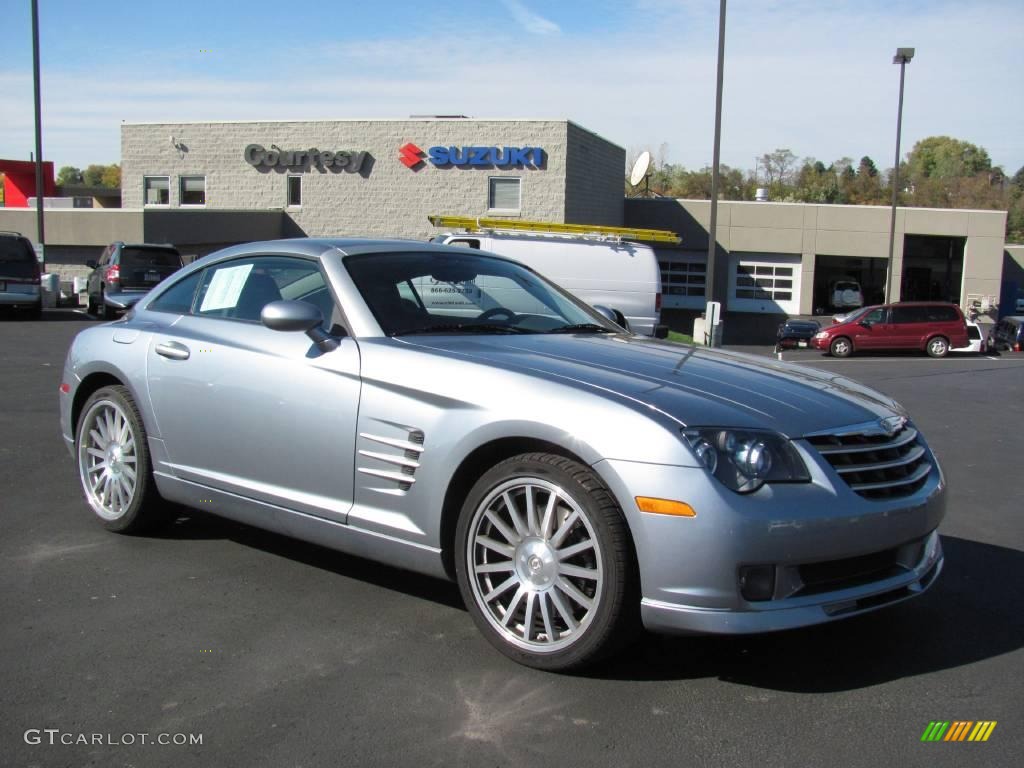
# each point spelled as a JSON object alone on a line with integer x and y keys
{"x": 259, "y": 413}
{"x": 870, "y": 330}
{"x": 95, "y": 277}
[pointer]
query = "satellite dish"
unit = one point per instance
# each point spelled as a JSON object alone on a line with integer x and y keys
{"x": 641, "y": 168}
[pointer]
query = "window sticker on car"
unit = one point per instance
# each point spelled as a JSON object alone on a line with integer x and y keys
{"x": 225, "y": 288}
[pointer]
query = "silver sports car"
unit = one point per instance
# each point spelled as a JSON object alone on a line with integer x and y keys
{"x": 456, "y": 414}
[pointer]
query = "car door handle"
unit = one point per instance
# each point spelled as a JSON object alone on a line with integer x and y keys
{"x": 172, "y": 350}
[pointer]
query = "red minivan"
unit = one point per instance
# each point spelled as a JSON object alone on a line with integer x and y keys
{"x": 924, "y": 325}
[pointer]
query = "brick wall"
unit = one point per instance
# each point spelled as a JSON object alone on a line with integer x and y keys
{"x": 595, "y": 169}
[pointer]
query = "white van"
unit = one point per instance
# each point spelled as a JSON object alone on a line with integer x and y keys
{"x": 622, "y": 276}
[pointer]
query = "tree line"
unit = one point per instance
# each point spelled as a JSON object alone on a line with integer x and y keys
{"x": 92, "y": 176}
{"x": 939, "y": 172}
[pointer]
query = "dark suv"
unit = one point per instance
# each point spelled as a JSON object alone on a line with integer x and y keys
{"x": 125, "y": 273}
{"x": 1007, "y": 335}
{"x": 20, "y": 279}
{"x": 929, "y": 326}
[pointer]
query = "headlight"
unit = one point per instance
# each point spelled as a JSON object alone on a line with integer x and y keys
{"x": 744, "y": 460}
{"x": 821, "y": 335}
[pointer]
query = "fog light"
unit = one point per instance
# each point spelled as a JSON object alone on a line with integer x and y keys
{"x": 757, "y": 582}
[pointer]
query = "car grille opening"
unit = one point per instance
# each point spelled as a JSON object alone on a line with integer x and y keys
{"x": 877, "y": 467}
{"x": 849, "y": 572}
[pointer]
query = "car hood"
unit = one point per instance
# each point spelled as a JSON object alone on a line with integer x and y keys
{"x": 694, "y": 385}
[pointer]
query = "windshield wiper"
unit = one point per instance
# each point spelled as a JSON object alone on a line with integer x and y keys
{"x": 462, "y": 328}
{"x": 581, "y": 328}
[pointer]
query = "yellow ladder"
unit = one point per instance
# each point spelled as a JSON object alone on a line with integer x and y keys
{"x": 482, "y": 224}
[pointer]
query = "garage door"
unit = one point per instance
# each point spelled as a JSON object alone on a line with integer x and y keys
{"x": 683, "y": 279}
{"x": 765, "y": 283}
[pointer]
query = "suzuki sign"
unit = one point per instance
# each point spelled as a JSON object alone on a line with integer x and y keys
{"x": 491, "y": 157}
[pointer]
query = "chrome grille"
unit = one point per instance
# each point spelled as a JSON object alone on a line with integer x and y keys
{"x": 874, "y": 464}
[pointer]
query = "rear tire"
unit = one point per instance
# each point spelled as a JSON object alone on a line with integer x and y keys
{"x": 545, "y": 563}
{"x": 841, "y": 347}
{"x": 114, "y": 464}
{"x": 938, "y": 346}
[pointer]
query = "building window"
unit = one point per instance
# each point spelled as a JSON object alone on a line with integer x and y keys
{"x": 294, "y": 191}
{"x": 193, "y": 190}
{"x": 765, "y": 282}
{"x": 156, "y": 190}
{"x": 505, "y": 194}
{"x": 682, "y": 276}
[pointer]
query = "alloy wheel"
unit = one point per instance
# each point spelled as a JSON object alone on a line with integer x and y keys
{"x": 108, "y": 459}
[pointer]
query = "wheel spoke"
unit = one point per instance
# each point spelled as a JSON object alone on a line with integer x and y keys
{"x": 563, "y": 609}
{"x": 108, "y": 419}
{"x": 503, "y": 587}
{"x": 96, "y": 437}
{"x": 510, "y": 611}
{"x": 531, "y": 599}
{"x": 128, "y": 472}
{"x": 548, "y": 521}
{"x": 563, "y": 531}
{"x": 577, "y": 597}
{"x": 531, "y": 513}
{"x": 503, "y": 529}
{"x": 96, "y": 452}
{"x": 575, "y": 549}
{"x": 496, "y": 546}
{"x": 128, "y": 458}
{"x": 122, "y": 428}
{"x": 546, "y": 616}
{"x": 505, "y": 566}
{"x": 513, "y": 512}
{"x": 98, "y": 466}
{"x": 105, "y": 496}
{"x": 590, "y": 574}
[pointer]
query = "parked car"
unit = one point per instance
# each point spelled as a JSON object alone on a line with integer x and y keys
{"x": 976, "y": 341}
{"x": 846, "y": 294}
{"x": 795, "y": 333}
{"x": 20, "y": 278}
{"x": 125, "y": 273}
{"x": 570, "y": 476}
{"x": 1007, "y": 335}
{"x": 932, "y": 327}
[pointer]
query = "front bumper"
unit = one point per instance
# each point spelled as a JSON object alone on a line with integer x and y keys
{"x": 833, "y": 553}
{"x": 821, "y": 343}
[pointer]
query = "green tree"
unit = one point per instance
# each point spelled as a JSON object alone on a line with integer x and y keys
{"x": 111, "y": 176}
{"x": 68, "y": 175}
{"x": 92, "y": 176}
{"x": 942, "y": 157}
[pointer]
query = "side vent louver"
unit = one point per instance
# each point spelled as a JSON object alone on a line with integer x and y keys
{"x": 392, "y": 459}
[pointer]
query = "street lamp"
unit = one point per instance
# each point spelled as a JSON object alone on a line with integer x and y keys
{"x": 711, "y": 268}
{"x": 902, "y": 57}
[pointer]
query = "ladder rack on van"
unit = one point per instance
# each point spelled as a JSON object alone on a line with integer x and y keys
{"x": 541, "y": 228}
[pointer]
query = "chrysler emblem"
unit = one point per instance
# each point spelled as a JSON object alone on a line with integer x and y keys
{"x": 892, "y": 424}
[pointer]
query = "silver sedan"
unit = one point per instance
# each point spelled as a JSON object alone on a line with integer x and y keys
{"x": 455, "y": 414}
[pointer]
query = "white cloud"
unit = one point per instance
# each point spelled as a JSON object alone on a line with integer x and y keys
{"x": 530, "y": 21}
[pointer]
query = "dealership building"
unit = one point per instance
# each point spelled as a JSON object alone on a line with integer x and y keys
{"x": 204, "y": 185}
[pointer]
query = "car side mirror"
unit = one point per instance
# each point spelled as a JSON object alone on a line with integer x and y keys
{"x": 291, "y": 316}
{"x": 92, "y": 263}
{"x": 865, "y": 323}
{"x": 612, "y": 314}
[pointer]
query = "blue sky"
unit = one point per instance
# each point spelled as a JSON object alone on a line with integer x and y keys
{"x": 809, "y": 75}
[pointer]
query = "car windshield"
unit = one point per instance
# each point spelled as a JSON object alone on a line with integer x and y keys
{"x": 17, "y": 259}
{"x": 150, "y": 257}
{"x": 434, "y": 292}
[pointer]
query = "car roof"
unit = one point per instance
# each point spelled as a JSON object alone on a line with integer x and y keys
{"x": 348, "y": 246}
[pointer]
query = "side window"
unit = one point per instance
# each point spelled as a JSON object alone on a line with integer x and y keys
{"x": 105, "y": 257}
{"x": 238, "y": 290}
{"x": 909, "y": 314}
{"x": 875, "y": 316}
{"x": 178, "y": 297}
{"x": 942, "y": 314}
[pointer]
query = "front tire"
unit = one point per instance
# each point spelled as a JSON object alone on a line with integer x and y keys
{"x": 841, "y": 347}
{"x": 114, "y": 464}
{"x": 938, "y": 347}
{"x": 545, "y": 563}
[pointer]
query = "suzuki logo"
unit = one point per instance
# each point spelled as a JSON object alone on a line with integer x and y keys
{"x": 410, "y": 155}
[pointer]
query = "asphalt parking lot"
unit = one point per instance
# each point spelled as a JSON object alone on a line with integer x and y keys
{"x": 279, "y": 653}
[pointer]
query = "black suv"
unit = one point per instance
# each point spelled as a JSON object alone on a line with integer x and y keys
{"x": 125, "y": 273}
{"x": 20, "y": 279}
{"x": 1007, "y": 335}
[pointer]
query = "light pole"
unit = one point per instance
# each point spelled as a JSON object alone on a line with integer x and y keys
{"x": 713, "y": 223}
{"x": 902, "y": 57}
{"x": 40, "y": 188}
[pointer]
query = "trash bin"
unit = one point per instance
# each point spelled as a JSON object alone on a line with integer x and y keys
{"x": 50, "y": 285}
